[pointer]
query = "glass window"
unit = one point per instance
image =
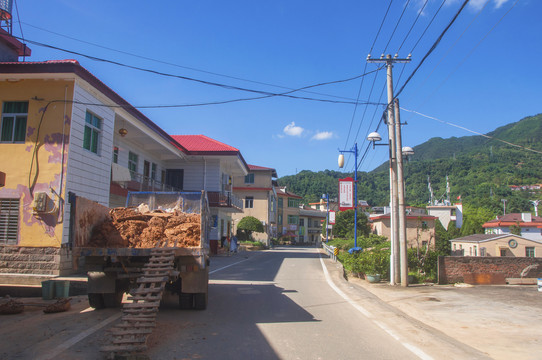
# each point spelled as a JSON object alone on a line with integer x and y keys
{"x": 293, "y": 202}
{"x": 93, "y": 130}
{"x": 249, "y": 202}
{"x": 249, "y": 179}
{"x": 14, "y": 115}
{"x": 301, "y": 222}
{"x": 115, "y": 154}
{"x": 503, "y": 252}
{"x": 293, "y": 219}
{"x": 132, "y": 162}
{"x": 280, "y": 219}
{"x": 153, "y": 171}
{"x": 280, "y": 203}
{"x": 529, "y": 251}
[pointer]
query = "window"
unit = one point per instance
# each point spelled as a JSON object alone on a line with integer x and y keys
{"x": 249, "y": 202}
{"x": 249, "y": 179}
{"x": 293, "y": 202}
{"x": 529, "y": 251}
{"x": 502, "y": 252}
{"x": 9, "y": 221}
{"x": 424, "y": 225}
{"x": 280, "y": 203}
{"x": 132, "y": 162}
{"x": 279, "y": 220}
{"x": 93, "y": 129}
{"x": 293, "y": 219}
{"x": 153, "y": 171}
{"x": 309, "y": 222}
{"x": 115, "y": 154}
{"x": 14, "y": 114}
{"x": 475, "y": 251}
{"x": 424, "y": 243}
{"x": 301, "y": 222}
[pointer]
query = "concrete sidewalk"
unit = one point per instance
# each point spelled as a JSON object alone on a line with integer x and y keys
{"x": 502, "y": 322}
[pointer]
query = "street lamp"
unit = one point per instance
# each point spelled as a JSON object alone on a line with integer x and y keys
{"x": 326, "y": 197}
{"x": 354, "y": 151}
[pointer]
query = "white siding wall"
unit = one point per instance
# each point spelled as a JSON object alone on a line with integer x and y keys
{"x": 88, "y": 174}
{"x": 125, "y": 147}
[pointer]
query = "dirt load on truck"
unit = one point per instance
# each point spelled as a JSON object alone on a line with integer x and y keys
{"x": 140, "y": 228}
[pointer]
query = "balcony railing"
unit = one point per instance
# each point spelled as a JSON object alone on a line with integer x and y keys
{"x": 139, "y": 182}
{"x": 224, "y": 199}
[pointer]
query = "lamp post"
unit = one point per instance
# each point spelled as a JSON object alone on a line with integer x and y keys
{"x": 326, "y": 197}
{"x": 354, "y": 151}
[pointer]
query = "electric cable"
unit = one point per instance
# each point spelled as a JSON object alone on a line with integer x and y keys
{"x": 396, "y": 25}
{"x": 472, "y": 131}
{"x": 205, "y": 82}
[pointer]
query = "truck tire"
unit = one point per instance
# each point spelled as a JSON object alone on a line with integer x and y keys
{"x": 186, "y": 301}
{"x": 96, "y": 301}
{"x": 200, "y": 301}
{"x": 113, "y": 300}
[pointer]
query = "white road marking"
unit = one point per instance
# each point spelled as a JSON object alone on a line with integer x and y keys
{"x": 241, "y": 282}
{"x": 74, "y": 340}
{"x": 227, "y": 266}
{"x": 415, "y": 350}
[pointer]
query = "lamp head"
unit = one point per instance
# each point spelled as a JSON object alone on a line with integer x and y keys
{"x": 374, "y": 136}
{"x": 407, "y": 150}
{"x": 341, "y": 160}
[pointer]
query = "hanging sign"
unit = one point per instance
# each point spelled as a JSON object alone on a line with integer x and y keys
{"x": 332, "y": 217}
{"x": 346, "y": 194}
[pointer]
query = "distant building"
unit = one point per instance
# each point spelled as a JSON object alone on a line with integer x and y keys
{"x": 496, "y": 245}
{"x": 310, "y": 226}
{"x": 529, "y": 225}
{"x": 420, "y": 229}
{"x": 288, "y": 206}
{"x": 257, "y": 190}
{"x": 447, "y": 213}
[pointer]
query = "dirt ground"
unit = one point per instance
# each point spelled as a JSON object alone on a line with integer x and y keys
{"x": 128, "y": 227}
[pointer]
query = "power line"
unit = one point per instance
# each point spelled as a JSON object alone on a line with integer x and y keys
{"x": 205, "y": 82}
{"x": 472, "y": 131}
{"x": 435, "y": 44}
{"x": 396, "y": 25}
{"x": 177, "y": 65}
{"x": 362, "y": 81}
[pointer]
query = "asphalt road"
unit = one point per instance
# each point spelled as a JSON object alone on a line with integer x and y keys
{"x": 286, "y": 303}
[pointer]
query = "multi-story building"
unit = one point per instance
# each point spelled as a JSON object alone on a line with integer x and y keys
{"x": 528, "y": 226}
{"x": 63, "y": 132}
{"x": 447, "y": 213}
{"x": 257, "y": 191}
{"x": 288, "y": 206}
{"x": 310, "y": 226}
{"x": 420, "y": 229}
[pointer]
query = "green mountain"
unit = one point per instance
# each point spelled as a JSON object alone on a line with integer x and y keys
{"x": 480, "y": 170}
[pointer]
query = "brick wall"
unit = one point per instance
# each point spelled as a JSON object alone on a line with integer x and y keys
{"x": 16, "y": 262}
{"x": 486, "y": 270}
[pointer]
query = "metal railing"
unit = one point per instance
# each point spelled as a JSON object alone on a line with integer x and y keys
{"x": 330, "y": 251}
{"x": 224, "y": 199}
{"x": 141, "y": 182}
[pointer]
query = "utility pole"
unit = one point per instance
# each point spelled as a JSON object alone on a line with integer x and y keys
{"x": 401, "y": 199}
{"x": 394, "y": 129}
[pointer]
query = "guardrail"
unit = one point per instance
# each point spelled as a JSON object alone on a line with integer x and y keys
{"x": 331, "y": 251}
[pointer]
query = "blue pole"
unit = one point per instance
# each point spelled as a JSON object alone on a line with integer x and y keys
{"x": 327, "y": 216}
{"x": 356, "y": 196}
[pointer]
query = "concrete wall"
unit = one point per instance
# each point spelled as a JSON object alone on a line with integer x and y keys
{"x": 482, "y": 270}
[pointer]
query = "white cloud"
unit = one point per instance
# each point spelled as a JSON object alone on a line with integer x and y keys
{"x": 499, "y": 3}
{"x": 322, "y": 135}
{"x": 293, "y": 130}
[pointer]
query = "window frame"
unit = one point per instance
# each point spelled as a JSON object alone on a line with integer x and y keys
{"x": 133, "y": 160}
{"x": 530, "y": 251}
{"x": 249, "y": 178}
{"x": 292, "y": 218}
{"x": 17, "y": 118}
{"x": 92, "y": 132}
{"x": 9, "y": 220}
{"x": 115, "y": 154}
{"x": 249, "y": 202}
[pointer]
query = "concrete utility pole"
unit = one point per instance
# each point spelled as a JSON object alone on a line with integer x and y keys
{"x": 394, "y": 129}
{"x": 401, "y": 199}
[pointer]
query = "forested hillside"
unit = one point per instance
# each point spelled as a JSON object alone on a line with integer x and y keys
{"x": 479, "y": 169}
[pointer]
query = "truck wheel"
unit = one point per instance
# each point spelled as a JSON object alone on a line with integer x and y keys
{"x": 96, "y": 301}
{"x": 200, "y": 301}
{"x": 185, "y": 301}
{"x": 113, "y": 300}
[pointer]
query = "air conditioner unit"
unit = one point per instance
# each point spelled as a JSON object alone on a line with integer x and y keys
{"x": 40, "y": 202}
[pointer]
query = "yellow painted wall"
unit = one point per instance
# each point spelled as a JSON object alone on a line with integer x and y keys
{"x": 16, "y": 160}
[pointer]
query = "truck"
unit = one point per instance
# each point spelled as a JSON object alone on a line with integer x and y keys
{"x": 113, "y": 263}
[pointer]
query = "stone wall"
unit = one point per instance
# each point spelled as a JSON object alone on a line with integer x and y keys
{"x": 29, "y": 265}
{"x": 487, "y": 270}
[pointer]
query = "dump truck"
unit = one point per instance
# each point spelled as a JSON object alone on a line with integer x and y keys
{"x": 114, "y": 245}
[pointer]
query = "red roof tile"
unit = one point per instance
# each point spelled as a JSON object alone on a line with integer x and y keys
{"x": 262, "y": 168}
{"x": 198, "y": 144}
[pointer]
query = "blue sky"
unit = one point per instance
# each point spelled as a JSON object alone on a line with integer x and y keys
{"x": 483, "y": 74}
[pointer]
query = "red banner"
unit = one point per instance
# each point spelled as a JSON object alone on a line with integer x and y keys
{"x": 346, "y": 194}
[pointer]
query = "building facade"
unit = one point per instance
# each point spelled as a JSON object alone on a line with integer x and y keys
{"x": 288, "y": 206}
{"x": 257, "y": 191}
{"x": 529, "y": 226}
{"x": 496, "y": 245}
{"x": 420, "y": 229}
